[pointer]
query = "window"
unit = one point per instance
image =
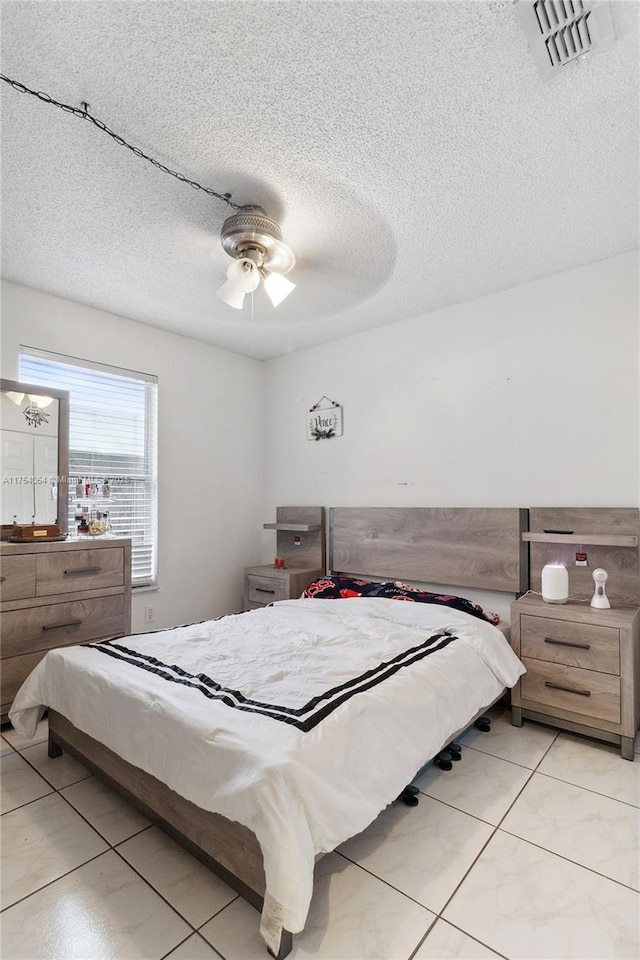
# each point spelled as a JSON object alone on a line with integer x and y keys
{"x": 112, "y": 439}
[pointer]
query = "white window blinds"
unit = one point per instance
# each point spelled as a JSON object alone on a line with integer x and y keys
{"x": 112, "y": 438}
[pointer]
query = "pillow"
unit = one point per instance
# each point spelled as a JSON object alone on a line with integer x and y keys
{"x": 403, "y": 591}
{"x": 341, "y": 588}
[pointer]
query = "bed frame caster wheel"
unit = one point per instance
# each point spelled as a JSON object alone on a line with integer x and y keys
{"x": 444, "y": 761}
{"x": 410, "y": 796}
{"x": 455, "y": 751}
{"x": 483, "y": 724}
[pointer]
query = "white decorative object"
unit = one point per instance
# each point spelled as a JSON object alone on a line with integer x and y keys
{"x": 600, "y": 599}
{"x": 555, "y": 583}
{"x": 324, "y": 422}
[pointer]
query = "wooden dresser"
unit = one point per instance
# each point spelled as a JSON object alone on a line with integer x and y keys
{"x": 57, "y": 594}
{"x": 583, "y": 668}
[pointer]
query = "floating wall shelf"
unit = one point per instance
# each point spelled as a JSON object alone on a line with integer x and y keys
{"x": 588, "y": 539}
{"x": 293, "y": 527}
{"x": 300, "y": 537}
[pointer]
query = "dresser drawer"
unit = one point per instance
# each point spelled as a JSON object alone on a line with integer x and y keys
{"x": 265, "y": 589}
{"x": 79, "y": 570}
{"x": 58, "y": 624}
{"x": 589, "y": 646}
{"x": 18, "y": 577}
{"x": 585, "y": 692}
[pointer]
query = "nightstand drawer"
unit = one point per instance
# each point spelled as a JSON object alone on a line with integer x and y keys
{"x": 574, "y": 644}
{"x": 265, "y": 589}
{"x": 585, "y": 692}
{"x": 18, "y": 577}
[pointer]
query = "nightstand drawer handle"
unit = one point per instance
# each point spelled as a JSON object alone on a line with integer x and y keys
{"x": 568, "y": 643}
{"x": 59, "y": 626}
{"x": 556, "y": 686}
{"x": 263, "y": 590}
{"x": 84, "y": 572}
{"x": 2, "y": 579}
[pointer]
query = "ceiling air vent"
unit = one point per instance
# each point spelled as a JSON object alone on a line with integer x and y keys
{"x": 562, "y": 31}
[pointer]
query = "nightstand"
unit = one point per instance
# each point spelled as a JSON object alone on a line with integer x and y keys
{"x": 263, "y": 585}
{"x": 300, "y": 543}
{"x": 583, "y": 668}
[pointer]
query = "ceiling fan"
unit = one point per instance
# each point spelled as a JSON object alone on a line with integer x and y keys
{"x": 255, "y": 242}
{"x": 249, "y": 236}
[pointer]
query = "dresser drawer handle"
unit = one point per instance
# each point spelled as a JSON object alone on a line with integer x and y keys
{"x": 84, "y": 572}
{"x": 568, "y": 643}
{"x": 2, "y": 579}
{"x": 263, "y": 590}
{"x": 59, "y": 626}
{"x": 557, "y": 686}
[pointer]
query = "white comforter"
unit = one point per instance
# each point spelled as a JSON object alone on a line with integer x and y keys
{"x": 302, "y": 792}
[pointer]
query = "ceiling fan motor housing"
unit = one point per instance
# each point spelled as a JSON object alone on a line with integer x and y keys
{"x": 250, "y": 230}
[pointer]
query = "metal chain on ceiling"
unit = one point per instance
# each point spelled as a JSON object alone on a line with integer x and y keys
{"x": 83, "y": 114}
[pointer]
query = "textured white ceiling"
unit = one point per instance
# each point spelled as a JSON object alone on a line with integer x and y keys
{"x": 411, "y": 151}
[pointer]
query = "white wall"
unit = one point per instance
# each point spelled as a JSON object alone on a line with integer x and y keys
{"x": 522, "y": 398}
{"x": 527, "y": 397}
{"x": 210, "y": 444}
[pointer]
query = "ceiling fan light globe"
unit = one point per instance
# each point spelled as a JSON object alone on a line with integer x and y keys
{"x": 243, "y": 275}
{"x": 277, "y": 287}
{"x": 230, "y": 295}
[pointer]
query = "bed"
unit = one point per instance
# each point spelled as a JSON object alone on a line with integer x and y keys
{"x": 256, "y": 739}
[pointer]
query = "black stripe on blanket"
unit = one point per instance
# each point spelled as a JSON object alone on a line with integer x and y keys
{"x": 315, "y": 709}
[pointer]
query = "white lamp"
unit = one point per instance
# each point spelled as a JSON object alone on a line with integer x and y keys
{"x": 555, "y": 583}
{"x": 229, "y": 295}
{"x": 243, "y": 277}
{"x": 277, "y": 287}
{"x": 600, "y": 600}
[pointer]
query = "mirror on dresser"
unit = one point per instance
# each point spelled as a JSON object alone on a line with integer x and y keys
{"x": 34, "y": 444}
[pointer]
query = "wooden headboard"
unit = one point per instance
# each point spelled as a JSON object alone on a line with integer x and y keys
{"x": 461, "y": 546}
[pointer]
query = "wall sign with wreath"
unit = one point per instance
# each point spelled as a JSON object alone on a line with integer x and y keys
{"x": 324, "y": 420}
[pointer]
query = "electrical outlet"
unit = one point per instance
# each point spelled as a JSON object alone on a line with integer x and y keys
{"x": 149, "y": 614}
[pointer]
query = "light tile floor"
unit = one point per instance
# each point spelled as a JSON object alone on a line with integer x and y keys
{"x": 527, "y": 850}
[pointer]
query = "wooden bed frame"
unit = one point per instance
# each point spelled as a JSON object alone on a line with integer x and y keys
{"x": 227, "y": 848}
{"x": 390, "y": 543}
